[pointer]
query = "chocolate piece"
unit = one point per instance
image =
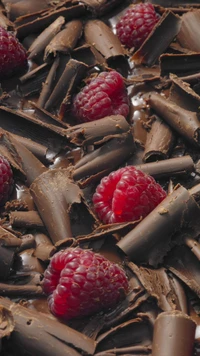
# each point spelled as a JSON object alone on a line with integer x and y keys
{"x": 169, "y": 167}
{"x": 38, "y": 150}
{"x": 5, "y": 22}
{"x": 6, "y": 324}
{"x": 27, "y": 242}
{"x": 24, "y": 7}
{"x": 31, "y": 82}
{"x": 135, "y": 350}
{"x": 44, "y": 247}
{"x": 25, "y": 262}
{"x": 73, "y": 74}
{"x": 53, "y": 339}
{"x": 8, "y": 246}
{"x": 188, "y": 34}
{"x": 163, "y": 34}
{"x": 27, "y": 219}
{"x": 174, "y": 334}
{"x": 159, "y": 142}
{"x": 100, "y": 7}
{"x": 65, "y": 40}
{"x": 45, "y": 37}
{"x": 28, "y": 291}
{"x": 180, "y": 64}
{"x": 194, "y": 246}
{"x": 88, "y": 55}
{"x": 151, "y": 239}
{"x": 183, "y": 121}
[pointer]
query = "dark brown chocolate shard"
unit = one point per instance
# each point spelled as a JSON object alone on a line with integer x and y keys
{"x": 174, "y": 334}
{"x": 88, "y": 55}
{"x": 24, "y": 7}
{"x": 159, "y": 142}
{"x": 98, "y": 131}
{"x": 29, "y": 24}
{"x": 28, "y": 241}
{"x": 183, "y": 121}
{"x": 188, "y": 34}
{"x": 65, "y": 40}
{"x": 73, "y": 74}
{"x": 100, "y": 7}
{"x": 44, "y": 247}
{"x": 168, "y": 293}
{"x": 31, "y": 82}
{"x": 193, "y": 245}
{"x": 154, "y": 236}
{"x": 38, "y": 150}
{"x": 45, "y": 38}
{"x": 169, "y": 168}
{"x": 162, "y": 34}
{"x": 5, "y": 22}
{"x": 46, "y": 117}
{"x": 102, "y": 161}
{"x": 26, "y": 219}
{"x": 101, "y": 37}
{"x": 179, "y": 64}
{"x": 54, "y": 338}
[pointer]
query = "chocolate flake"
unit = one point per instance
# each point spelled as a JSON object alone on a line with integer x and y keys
{"x": 190, "y": 27}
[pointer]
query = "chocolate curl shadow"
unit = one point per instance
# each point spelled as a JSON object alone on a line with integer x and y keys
{"x": 174, "y": 334}
{"x": 35, "y": 333}
{"x": 6, "y": 324}
{"x": 151, "y": 239}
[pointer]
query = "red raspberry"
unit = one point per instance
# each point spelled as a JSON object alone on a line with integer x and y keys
{"x": 103, "y": 96}
{"x": 126, "y": 195}
{"x": 136, "y": 24}
{"x": 6, "y": 180}
{"x": 81, "y": 282}
{"x": 12, "y": 54}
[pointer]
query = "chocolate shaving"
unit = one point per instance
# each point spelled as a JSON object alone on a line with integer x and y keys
{"x": 31, "y": 83}
{"x": 6, "y": 323}
{"x": 174, "y": 334}
{"x": 26, "y": 219}
{"x": 5, "y": 22}
{"x": 180, "y": 64}
{"x": 38, "y": 150}
{"x": 188, "y": 34}
{"x": 185, "y": 122}
{"x": 162, "y": 34}
{"x": 88, "y": 55}
{"x": 100, "y": 7}
{"x": 44, "y": 247}
{"x": 159, "y": 142}
{"x": 54, "y": 337}
{"x": 152, "y": 238}
{"x": 194, "y": 246}
{"x": 27, "y": 242}
{"x": 24, "y": 7}
{"x": 28, "y": 291}
{"x": 9, "y": 244}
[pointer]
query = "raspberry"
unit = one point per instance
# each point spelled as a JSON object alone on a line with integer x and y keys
{"x": 6, "y": 180}
{"x": 136, "y": 24}
{"x": 103, "y": 96}
{"x": 126, "y": 195}
{"x": 80, "y": 283}
{"x": 12, "y": 54}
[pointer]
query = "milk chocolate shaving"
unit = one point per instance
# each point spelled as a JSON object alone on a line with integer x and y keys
{"x": 23, "y": 7}
{"x": 151, "y": 239}
{"x": 169, "y": 167}
{"x": 44, "y": 247}
{"x": 31, "y": 83}
{"x": 53, "y": 339}
{"x": 180, "y": 64}
{"x": 100, "y": 7}
{"x": 8, "y": 246}
{"x": 65, "y": 40}
{"x": 102, "y": 160}
{"x": 88, "y": 55}
{"x": 188, "y": 34}
{"x": 27, "y": 219}
{"x": 54, "y": 195}
{"x": 135, "y": 350}
{"x": 159, "y": 142}
{"x": 5, "y": 22}
{"x": 163, "y": 34}
{"x": 26, "y": 262}
{"x": 174, "y": 334}
{"x": 101, "y": 37}
{"x": 38, "y": 150}
{"x": 99, "y": 131}
{"x": 73, "y": 74}
{"x": 183, "y": 121}
{"x": 45, "y": 37}
{"x": 194, "y": 246}
{"x": 28, "y": 291}
{"x": 27, "y": 242}
{"x": 6, "y": 323}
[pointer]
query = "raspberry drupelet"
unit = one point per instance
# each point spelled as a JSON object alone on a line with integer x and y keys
{"x": 6, "y": 180}
{"x": 136, "y": 24}
{"x": 125, "y": 195}
{"x": 80, "y": 283}
{"x": 12, "y": 54}
{"x": 103, "y": 96}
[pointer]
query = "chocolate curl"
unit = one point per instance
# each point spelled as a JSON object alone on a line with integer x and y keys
{"x": 71, "y": 77}
{"x": 188, "y": 34}
{"x": 159, "y": 142}
{"x": 26, "y": 219}
{"x": 174, "y": 334}
{"x": 185, "y": 122}
{"x": 44, "y": 247}
{"x": 26, "y": 291}
{"x": 102, "y": 161}
{"x": 6, "y": 324}
{"x": 194, "y": 246}
{"x": 38, "y": 150}
{"x": 162, "y": 34}
{"x": 99, "y": 131}
{"x": 151, "y": 239}
{"x": 169, "y": 167}
{"x": 53, "y": 338}
{"x": 88, "y": 55}
{"x": 180, "y": 64}
{"x": 54, "y": 195}
{"x": 45, "y": 37}
{"x": 65, "y": 40}
{"x": 31, "y": 82}
{"x": 24, "y": 7}
{"x": 5, "y": 22}
{"x": 28, "y": 242}
{"x": 101, "y": 37}
{"x": 100, "y": 7}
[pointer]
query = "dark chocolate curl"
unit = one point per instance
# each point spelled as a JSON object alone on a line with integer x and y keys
{"x": 26, "y": 219}
{"x": 180, "y": 64}
{"x": 101, "y": 37}
{"x": 162, "y": 34}
{"x": 37, "y": 334}
{"x": 185, "y": 122}
{"x": 54, "y": 194}
{"x": 45, "y": 37}
{"x": 100, "y": 7}
{"x": 44, "y": 247}
{"x": 65, "y": 40}
{"x": 159, "y": 142}
{"x": 188, "y": 34}
{"x": 6, "y": 324}
{"x": 27, "y": 291}
{"x": 24, "y": 7}
{"x": 174, "y": 334}
{"x": 151, "y": 239}
{"x": 5, "y": 22}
